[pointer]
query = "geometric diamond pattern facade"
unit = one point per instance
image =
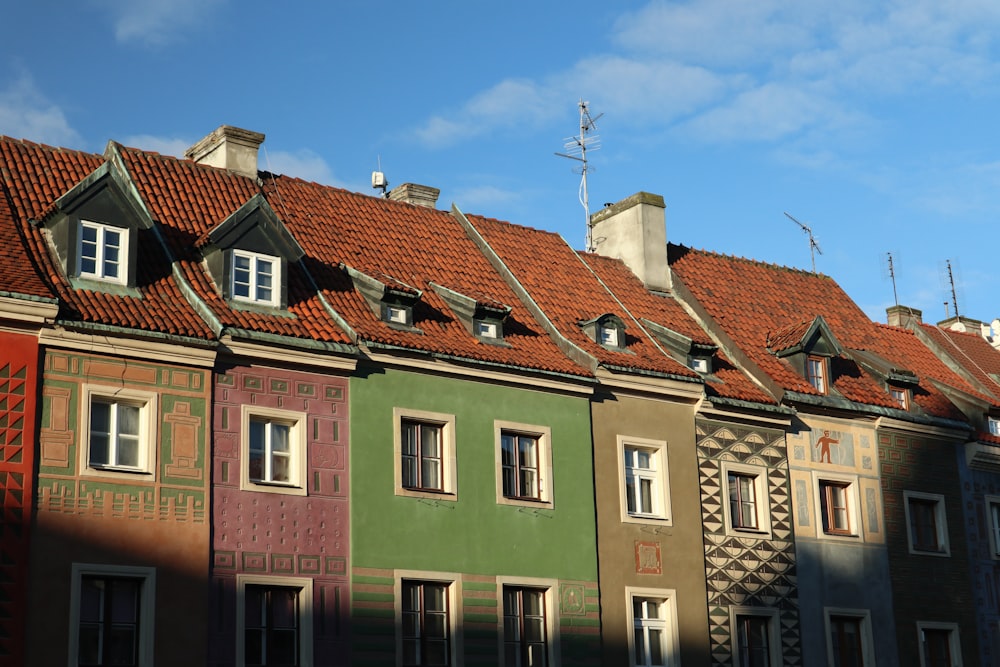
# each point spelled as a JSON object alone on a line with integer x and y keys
{"x": 743, "y": 571}
{"x": 16, "y": 462}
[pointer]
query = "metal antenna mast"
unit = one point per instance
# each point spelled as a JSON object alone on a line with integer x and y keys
{"x": 951, "y": 281}
{"x": 813, "y": 245}
{"x": 576, "y": 149}
{"x": 892, "y": 276}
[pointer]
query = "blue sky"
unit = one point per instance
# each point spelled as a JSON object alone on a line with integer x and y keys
{"x": 875, "y": 123}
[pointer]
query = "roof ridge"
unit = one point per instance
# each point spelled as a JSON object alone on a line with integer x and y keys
{"x": 748, "y": 260}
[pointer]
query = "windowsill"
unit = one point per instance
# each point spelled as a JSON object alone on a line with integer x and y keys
{"x": 650, "y": 519}
{"x": 755, "y": 533}
{"x": 941, "y": 553}
{"x": 115, "y": 471}
{"x": 260, "y": 307}
{"x": 538, "y": 503}
{"x": 426, "y": 493}
{"x": 275, "y": 487}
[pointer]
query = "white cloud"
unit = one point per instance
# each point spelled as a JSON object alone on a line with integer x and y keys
{"x": 156, "y": 22}
{"x": 163, "y": 145}
{"x": 304, "y": 164}
{"x": 486, "y": 197}
{"x": 25, "y": 112}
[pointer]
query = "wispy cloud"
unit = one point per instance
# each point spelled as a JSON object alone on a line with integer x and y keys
{"x": 164, "y": 145}
{"x": 761, "y": 70}
{"x": 156, "y": 22}
{"x": 25, "y": 112}
{"x": 304, "y": 164}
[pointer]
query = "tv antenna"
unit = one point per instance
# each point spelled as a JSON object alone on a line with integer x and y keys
{"x": 379, "y": 181}
{"x": 813, "y": 245}
{"x": 951, "y": 282}
{"x": 892, "y": 277}
{"x": 576, "y": 149}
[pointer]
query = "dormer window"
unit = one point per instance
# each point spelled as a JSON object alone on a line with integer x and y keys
{"x": 994, "y": 425}
{"x": 397, "y": 314}
{"x": 608, "y": 336}
{"x": 486, "y": 329}
{"x": 256, "y": 278}
{"x": 816, "y": 373}
{"x": 103, "y": 249}
{"x": 700, "y": 364}
{"x": 901, "y": 396}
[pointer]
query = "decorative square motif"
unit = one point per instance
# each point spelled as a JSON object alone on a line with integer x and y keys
{"x": 254, "y": 562}
{"x": 647, "y": 558}
{"x": 282, "y": 564}
{"x": 305, "y": 389}
{"x": 253, "y": 383}
{"x": 224, "y": 560}
{"x": 309, "y": 565}
{"x": 279, "y": 386}
{"x": 336, "y": 565}
{"x": 572, "y": 600}
{"x": 335, "y": 393}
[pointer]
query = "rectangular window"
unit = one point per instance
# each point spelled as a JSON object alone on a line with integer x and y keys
{"x": 901, "y": 396}
{"x": 271, "y": 625}
{"x": 271, "y": 453}
{"x": 426, "y": 627}
{"x": 486, "y": 329}
{"x": 846, "y": 641}
{"x": 645, "y": 494}
{"x": 994, "y": 425}
{"x": 102, "y": 252}
{"x": 397, "y": 315}
{"x": 654, "y": 630}
{"x": 756, "y": 641}
{"x": 524, "y": 627}
{"x": 114, "y": 434}
{"x": 119, "y": 424}
{"x": 422, "y": 456}
{"x": 425, "y": 454}
{"x": 993, "y": 524}
{"x": 925, "y": 519}
{"x": 848, "y": 637}
{"x": 274, "y": 625}
{"x": 519, "y": 460}
{"x": 743, "y": 501}
{"x": 939, "y": 645}
{"x": 255, "y": 278}
{"x": 273, "y": 446}
{"x": 816, "y": 373}
{"x": 523, "y": 464}
{"x": 835, "y": 507}
{"x": 112, "y": 615}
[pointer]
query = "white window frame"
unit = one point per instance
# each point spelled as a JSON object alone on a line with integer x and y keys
{"x": 449, "y": 473}
{"x": 661, "y": 493}
{"x": 773, "y": 632}
{"x": 763, "y": 499}
{"x": 699, "y": 364}
{"x": 148, "y": 419}
{"x": 102, "y": 230}
{"x": 901, "y": 396}
{"x": 543, "y": 436}
{"x": 819, "y": 381}
{"x": 853, "y": 505}
{"x": 397, "y": 314}
{"x": 255, "y": 258}
{"x": 455, "y": 613}
{"x": 147, "y": 605}
{"x": 954, "y": 641}
{"x": 487, "y": 329}
{"x": 296, "y": 486}
{"x": 549, "y": 587}
{"x": 669, "y": 625}
{"x": 993, "y": 425}
{"x": 865, "y": 618}
{"x": 941, "y": 523}
{"x": 306, "y": 612}
{"x": 992, "y": 504}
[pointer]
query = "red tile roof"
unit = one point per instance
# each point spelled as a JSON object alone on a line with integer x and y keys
{"x": 756, "y": 304}
{"x": 971, "y": 351}
{"x": 34, "y": 176}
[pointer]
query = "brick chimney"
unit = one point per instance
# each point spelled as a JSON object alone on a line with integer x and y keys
{"x": 903, "y": 316}
{"x": 634, "y": 230}
{"x": 418, "y": 195}
{"x": 229, "y": 147}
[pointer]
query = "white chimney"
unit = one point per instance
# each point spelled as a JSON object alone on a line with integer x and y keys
{"x": 418, "y": 195}
{"x": 229, "y": 147}
{"x": 634, "y": 230}
{"x": 903, "y": 316}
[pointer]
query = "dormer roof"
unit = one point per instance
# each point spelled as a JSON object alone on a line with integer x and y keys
{"x": 812, "y": 337}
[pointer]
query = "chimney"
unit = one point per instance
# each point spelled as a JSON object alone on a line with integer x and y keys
{"x": 229, "y": 147}
{"x": 634, "y": 230}
{"x": 418, "y": 195}
{"x": 903, "y": 316}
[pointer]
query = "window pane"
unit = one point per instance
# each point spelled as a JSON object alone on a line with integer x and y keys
{"x": 655, "y": 647}
{"x": 630, "y": 494}
{"x": 507, "y": 456}
{"x": 281, "y": 468}
{"x": 124, "y": 601}
{"x": 128, "y": 452}
{"x": 430, "y": 471}
{"x": 429, "y": 441}
{"x": 408, "y": 436}
{"x": 529, "y": 452}
{"x": 646, "y": 486}
{"x": 644, "y": 460}
{"x": 128, "y": 419}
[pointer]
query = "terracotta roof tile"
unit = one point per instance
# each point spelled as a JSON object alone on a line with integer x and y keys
{"x": 756, "y": 303}
{"x": 971, "y": 351}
